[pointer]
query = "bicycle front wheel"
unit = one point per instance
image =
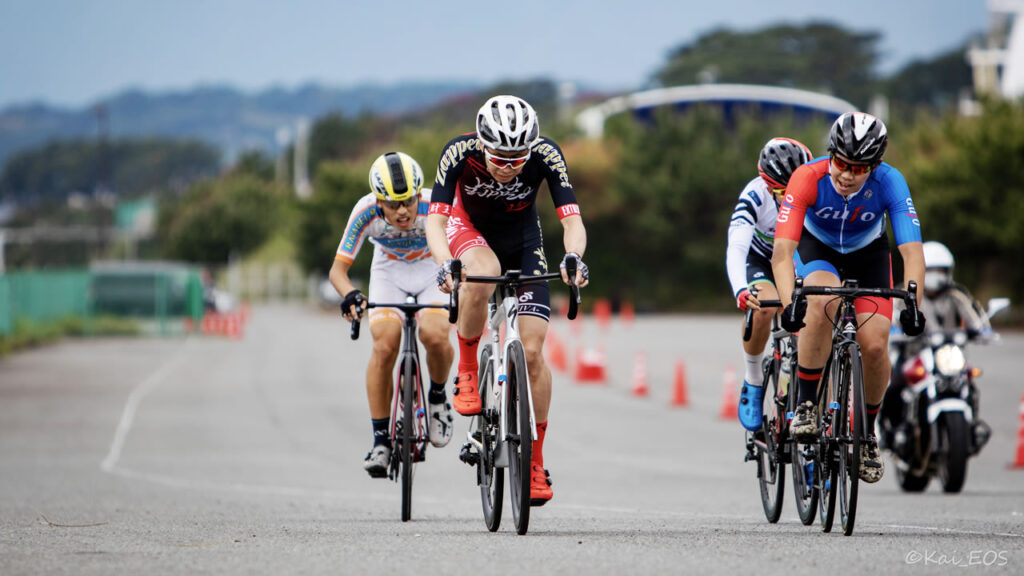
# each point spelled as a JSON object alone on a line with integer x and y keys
{"x": 489, "y": 476}
{"x": 408, "y": 435}
{"x": 825, "y": 465}
{"x": 519, "y": 439}
{"x": 849, "y": 429}
{"x": 770, "y": 468}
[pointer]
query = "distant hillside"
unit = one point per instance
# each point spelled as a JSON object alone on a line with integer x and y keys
{"x": 230, "y": 119}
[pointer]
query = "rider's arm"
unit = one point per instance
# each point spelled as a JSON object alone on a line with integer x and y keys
{"x": 574, "y": 234}
{"x": 800, "y": 193}
{"x": 783, "y": 269}
{"x": 739, "y": 238}
{"x": 339, "y": 276}
{"x": 437, "y": 240}
{"x": 913, "y": 266}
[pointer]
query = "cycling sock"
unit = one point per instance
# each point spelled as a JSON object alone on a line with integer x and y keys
{"x": 872, "y": 410}
{"x": 467, "y": 354}
{"x": 754, "y": 374}
{"x": 437, "y": 394}
{"x": 538, "y": 447}
{"x": 380, "y": 431}
{"x": 808, "y": 383}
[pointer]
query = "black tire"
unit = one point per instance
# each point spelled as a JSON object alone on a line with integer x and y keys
{"x": 911, "y": 482}
{"x": 825, "y": 466}
{"x": 520, "y": 438}
{"x": 849, "y": 433}
{"x": 490, "y": 478}
{"x": 803, "y": 468}
{"x": 953, "y": 451}
{"x": 771, "y": 470}
{"x": 408, "y": 435}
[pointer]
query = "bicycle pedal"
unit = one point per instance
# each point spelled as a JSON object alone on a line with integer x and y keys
{"x": 468, "y": 455}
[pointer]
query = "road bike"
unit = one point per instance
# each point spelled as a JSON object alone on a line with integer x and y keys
{"x": 772, "y": 447}
{"x": 409, "y": 418}
{"x": 502, "y": 435}
{"x": 842, "y": 412}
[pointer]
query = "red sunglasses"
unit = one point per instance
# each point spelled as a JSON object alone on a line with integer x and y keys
{"x": 855, "y": 169}
{"x": 501, "y": 162}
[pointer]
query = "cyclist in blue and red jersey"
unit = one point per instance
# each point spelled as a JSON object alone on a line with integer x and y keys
{"x": 748, "y": 261}
{"x": 483, "y": 212}
{"x": 841, "y": 202}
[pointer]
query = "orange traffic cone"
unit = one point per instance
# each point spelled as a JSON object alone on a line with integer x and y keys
{"x": 730, "y": 398}
{"x": 640, "y": 383}
{"x": 603, "y": 312}
{"x": 556, "y": 352}
{"x": 1019, "y": 462}
{"x": 233, "y": 326}
{"x": 627, "y": 313}
{"x": 590, "y": 366}
{"x": 680, "y": 397}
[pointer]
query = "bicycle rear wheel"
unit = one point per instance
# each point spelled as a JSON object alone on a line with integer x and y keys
{"x": 520, "y": 438}
{"x": 405, "y": 445}
{"x": 771, "y": 475}
{"x": 805, "y": 486}
{"x": 849, "y": 431}
{"x": 489, "y": 476}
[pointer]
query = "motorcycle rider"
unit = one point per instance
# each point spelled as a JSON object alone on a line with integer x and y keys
{"x": 947, "y": 307}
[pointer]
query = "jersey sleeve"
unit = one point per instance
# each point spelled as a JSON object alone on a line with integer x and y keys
{"x": 449, "y": 168}
{"x": 740, "y": 236}
{"x": 356, "y": 231}
{"x": 800, "y": 194}
{"x": 906, "y": 227}
{"x": 556, "y": 173}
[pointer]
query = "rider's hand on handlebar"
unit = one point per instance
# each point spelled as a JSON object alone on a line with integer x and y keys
{"x": 582, "y": 272}
{"x": 745, "y": 299}
{"x": 907, "y": 323}
{"x": 792, "y": 326}
{"x": 444, "y": 276}
{"x": 352, "y": 305}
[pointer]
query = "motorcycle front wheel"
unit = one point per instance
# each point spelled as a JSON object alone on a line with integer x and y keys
{"x": 952, "y": 429}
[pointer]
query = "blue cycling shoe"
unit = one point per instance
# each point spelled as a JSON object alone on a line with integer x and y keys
{"x": 750, "y": 408}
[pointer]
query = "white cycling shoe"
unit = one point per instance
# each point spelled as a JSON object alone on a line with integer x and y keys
{"x": 441, "y": 424}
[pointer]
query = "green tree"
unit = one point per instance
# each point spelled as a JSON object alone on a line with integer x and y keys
{"x": 935, "y": 83}
{"x": 218, "y": 219}
{"x": 323, "y": 217}
{"x": 967, "y": 178}
{"x": 816, "y": 56}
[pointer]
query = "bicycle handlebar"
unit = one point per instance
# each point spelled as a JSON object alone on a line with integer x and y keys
{"x": 514, "y": 278}
{"x": 408, "y": 308}
{"x": 748, "y": 321}
{"x": 851, "y": 290}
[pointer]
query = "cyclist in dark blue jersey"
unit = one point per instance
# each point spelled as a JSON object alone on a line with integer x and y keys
{"x": 483, "y": 212}
{"x": 842, "y": 202}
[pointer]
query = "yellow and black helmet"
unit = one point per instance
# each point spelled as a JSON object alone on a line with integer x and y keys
{"x": 395, "y": 176}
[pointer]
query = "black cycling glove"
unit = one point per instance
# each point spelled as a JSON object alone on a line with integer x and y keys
{"x": 583, "y": 269}
{"x": 792, "y": 326}
{"x": 907, "y": 323}
{"x": 353, "y": 298}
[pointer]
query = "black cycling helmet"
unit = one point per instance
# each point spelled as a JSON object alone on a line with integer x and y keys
{"x": 858, "y": 137}
{"x": 779, "y": 158}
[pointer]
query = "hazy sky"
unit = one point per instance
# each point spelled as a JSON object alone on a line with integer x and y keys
{"x": 73, "y": 52}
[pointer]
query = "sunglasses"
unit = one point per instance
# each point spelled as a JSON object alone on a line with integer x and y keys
{"x": 778, "y": 191}
{"x": 855, "y": 169}
{"x": 396, "y": 204}
{"x": 501, "y": 162}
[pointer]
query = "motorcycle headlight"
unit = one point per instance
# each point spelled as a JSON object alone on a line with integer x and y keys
{"x": 949, "y": 360}
{"x": 960, "y": 338}
{"x": 935, "y": 339}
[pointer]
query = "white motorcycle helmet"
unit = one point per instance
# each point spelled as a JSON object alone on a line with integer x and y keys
{"x": 938, "y": 266}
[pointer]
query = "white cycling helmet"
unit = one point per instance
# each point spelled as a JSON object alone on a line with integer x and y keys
{"x": 938, "y": 264}
{"x": 507, "y": 123}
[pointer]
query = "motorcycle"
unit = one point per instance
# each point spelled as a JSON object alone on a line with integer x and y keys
{"x": 940, "y": 428}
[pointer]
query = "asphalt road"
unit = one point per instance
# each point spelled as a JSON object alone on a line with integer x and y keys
{"x": 220, "y": 456}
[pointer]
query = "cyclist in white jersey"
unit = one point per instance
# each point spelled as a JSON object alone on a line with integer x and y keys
{"x": 392, "y": 217}
{"x": 748, "y": 260}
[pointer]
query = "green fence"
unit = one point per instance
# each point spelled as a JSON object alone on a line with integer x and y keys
{"x": 156, "y": 294}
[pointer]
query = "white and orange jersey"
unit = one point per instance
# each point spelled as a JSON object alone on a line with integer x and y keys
{"x": 367, "y": 223}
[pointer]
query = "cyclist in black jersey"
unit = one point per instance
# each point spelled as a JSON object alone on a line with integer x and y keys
{"x": 483, "y": 212}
